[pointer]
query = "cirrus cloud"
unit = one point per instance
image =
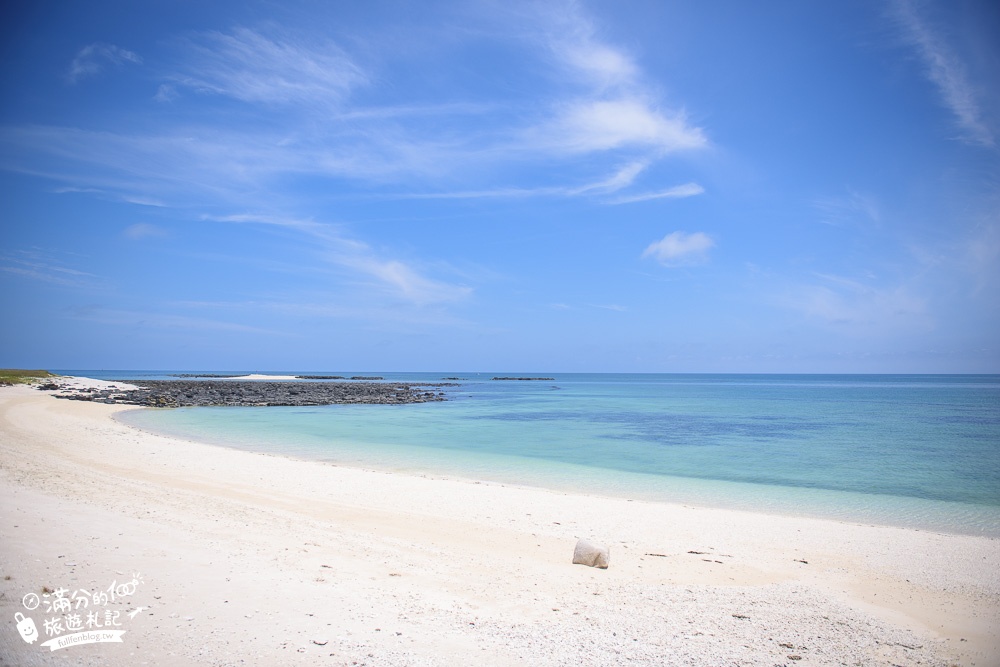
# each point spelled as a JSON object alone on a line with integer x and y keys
{"x": 600, "y": 125}
{"x": 947, "y": 71}
{"x": 281, "y": 69}
{"x": 143, "y": 230}
{"x": 91, "y": 59}
{"x": 680, "y": 249}
{"x": 676, "y": 192}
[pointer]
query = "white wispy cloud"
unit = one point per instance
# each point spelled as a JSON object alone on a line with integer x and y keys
{"x": 196, "y": 163}
{"x": 77, "y": 190}
{"x": 401, "y": 279}
{"x": 600, "y": 125}
{"x": 605, "y": 66}
{"x": 983, "y": 246}
{"x": 972, "y": 255}
{"x": 277, "y": 69}
{"x": 852, "y": 209}
{"x": 166, "y": 93}
{"x": 573, "y": 38}
{"x": 681, "y": 249}
{"x": 93, "y": 58}
{"x": 507, "y": 193}
{"x": 321, "y": 306}
{"x": 150, "y": 319}
{"x": 41, "y": 266}
{"x": 620, "y": 178}
{"x": 143, "y": 230}
{"x": 983, "y": 252}
{"x": 676, "y": 192}
{"x": 143, "y": 201}
{"x": 302, "y": 121}
{"x": 946, "y": 71}
{"x": 617, "y": 108}
{"x": 435, "y": 110}
{"x": 614, "y": 307}
{"x": 301, "y": 224}
{"x": 113, "y": 196}
{"x": 858, "y": 306}
{"x": 393, "y": 277}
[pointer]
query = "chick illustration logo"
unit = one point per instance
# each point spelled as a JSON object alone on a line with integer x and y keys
{"x": 26, "y": 627}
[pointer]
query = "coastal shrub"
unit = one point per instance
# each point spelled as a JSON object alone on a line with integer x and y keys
{"x": 9, "y": 376}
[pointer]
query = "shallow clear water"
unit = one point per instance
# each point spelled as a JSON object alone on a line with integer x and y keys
{"x": 921, "y": 451}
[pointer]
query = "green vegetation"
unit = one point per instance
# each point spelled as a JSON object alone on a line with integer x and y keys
{"x": 17, "y": 376}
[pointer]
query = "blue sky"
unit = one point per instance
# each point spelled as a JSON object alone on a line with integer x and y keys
{"x": 563, "y": 186}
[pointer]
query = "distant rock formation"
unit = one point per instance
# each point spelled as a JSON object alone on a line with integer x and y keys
{"x": 524, "y": 379}
{"x": 183, "y": 393}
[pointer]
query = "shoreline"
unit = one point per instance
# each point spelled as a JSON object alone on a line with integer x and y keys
{"x": 455, "y": 566}
{"x": 936, "y": 516}
{"x": 703, "y": 501}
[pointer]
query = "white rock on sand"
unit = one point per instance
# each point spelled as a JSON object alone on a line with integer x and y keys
{"x": 592, "y": 555}
{"x": 256, "y": 559}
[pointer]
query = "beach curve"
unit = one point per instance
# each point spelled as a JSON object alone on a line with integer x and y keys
{"x": 264, "y": 558}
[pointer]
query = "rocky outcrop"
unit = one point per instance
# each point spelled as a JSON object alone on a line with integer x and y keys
{"x": 182, "y": 393}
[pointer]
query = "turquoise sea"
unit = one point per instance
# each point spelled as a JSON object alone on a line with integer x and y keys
{"x": 910, "y": 450}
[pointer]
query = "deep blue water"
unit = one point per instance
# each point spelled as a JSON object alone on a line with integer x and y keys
{"x": 914, "y": 450}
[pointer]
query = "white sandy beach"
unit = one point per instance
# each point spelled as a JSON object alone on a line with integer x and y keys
{"x": 262, "y": 560}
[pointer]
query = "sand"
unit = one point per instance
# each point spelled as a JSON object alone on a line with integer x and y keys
{"x": 243, "y": 558}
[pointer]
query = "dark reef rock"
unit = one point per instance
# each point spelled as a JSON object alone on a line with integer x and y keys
{"x": 183, "y": 393}
{"x": 524, "y": 379}
{"x": 320, "y": 377}
{"x": 367, "y": 377}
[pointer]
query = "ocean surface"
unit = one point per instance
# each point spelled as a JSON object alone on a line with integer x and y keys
{"x": 909, "y": 450}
